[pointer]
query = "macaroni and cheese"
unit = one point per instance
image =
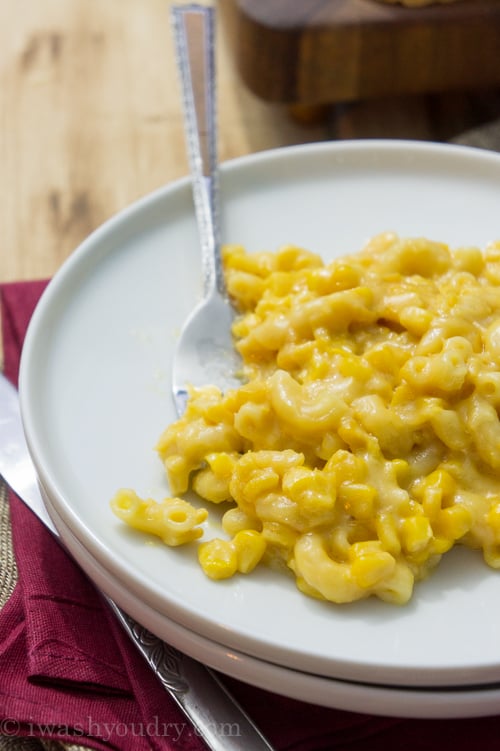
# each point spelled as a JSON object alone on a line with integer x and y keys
{"x": 364, "y": 441}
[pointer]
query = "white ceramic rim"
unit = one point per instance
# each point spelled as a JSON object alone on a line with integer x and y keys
{"x": 53, "y": 301}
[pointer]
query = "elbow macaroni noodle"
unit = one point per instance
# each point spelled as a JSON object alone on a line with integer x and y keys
{"x": 364, "y": 441}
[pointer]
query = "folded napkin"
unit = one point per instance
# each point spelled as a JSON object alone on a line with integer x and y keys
{"x": 69, "y": 673}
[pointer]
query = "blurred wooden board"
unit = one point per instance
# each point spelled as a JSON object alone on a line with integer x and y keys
{"x": 325, "y": 51}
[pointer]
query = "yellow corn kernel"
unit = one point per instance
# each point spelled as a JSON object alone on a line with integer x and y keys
{"x": 442, "y": 479}
{"x": 432, "y": 501}
{"x": 218, "y": 558}
{"x": 469, "y": 259}
{"x": 231, "y": 254}
{"x": 333, "y": 278}
{"x": 245, "y": 287}
{"x": 278, "y": 284}
{"x": 318, "y": 368}
{"x": 435, "y": 490}
{"x": 355, "y": 367}
{"x": 370, "y": 564}
{"x": 312, "y": 489}
{"x": 441, "y": 545}
{"x": 416, "y": 532}
{"x": 250, "y": 546}
{"x": 222, "y": 463}
{"x": 291, "y": 257}
{"x": 346, "y": 466}
{"x": 453, "y": 522}
{"x": 235, "y": 257}
{"x": 217, "y": 412}
{"x": 358, "y": 499}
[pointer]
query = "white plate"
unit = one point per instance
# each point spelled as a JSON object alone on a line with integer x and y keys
{"x": 95, "y": 395}
{"x": 315, "y": 689}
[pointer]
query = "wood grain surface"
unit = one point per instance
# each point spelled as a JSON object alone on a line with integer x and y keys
{"x": 90, "y": 120}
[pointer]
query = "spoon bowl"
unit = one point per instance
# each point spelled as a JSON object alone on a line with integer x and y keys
{"x": 205, "y": 353}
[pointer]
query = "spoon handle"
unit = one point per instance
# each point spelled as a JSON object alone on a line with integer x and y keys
{"x": 207, "y": 700}
{"x": 194, "y": 35}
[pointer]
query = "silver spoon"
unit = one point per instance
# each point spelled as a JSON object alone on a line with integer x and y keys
{"x": 204, "y": 353}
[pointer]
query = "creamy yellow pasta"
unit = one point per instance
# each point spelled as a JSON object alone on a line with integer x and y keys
{"x": 364, "y": 441}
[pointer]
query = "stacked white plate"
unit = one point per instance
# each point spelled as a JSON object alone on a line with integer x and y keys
{"x": 95, "y": 396}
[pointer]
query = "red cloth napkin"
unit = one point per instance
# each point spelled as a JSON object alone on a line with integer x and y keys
{"x": 69, "y": 673}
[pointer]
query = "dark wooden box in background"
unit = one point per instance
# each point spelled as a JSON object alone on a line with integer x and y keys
{"x": 314, "y": 52}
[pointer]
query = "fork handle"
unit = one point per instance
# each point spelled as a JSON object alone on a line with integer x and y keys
{"x": 194, "y": 35}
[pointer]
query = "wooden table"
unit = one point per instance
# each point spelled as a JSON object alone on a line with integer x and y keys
{"x": 91, "y": 120}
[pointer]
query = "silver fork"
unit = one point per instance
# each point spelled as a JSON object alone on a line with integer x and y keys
{"x": 204, "y": 353}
